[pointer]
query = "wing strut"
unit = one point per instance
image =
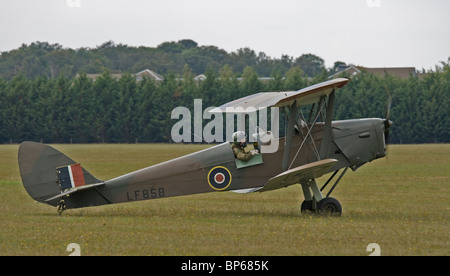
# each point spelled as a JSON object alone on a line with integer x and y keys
{"x": 293, "y": 109}
{"x": 308, "y": 134}
{"x": 326, "y": 138}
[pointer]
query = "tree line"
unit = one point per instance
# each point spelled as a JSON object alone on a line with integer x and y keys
{"x": 108, "y": 110}
{"x": 42, "y": 59}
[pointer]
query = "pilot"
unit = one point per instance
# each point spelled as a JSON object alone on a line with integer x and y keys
{"x": 239, "y": 144}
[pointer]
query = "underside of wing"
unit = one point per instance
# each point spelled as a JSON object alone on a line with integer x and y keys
{"x": 263, "y": 100}
{"x": 299, "y": 174}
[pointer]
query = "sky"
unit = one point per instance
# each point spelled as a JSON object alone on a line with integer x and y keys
{"x": 371, "y": 33}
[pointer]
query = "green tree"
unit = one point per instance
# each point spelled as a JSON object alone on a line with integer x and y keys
{"x": 250, "y": 83}
{"x": 17, "y": 117}
{"x": 310, "y": 64}
{"x": 295, "y": 79}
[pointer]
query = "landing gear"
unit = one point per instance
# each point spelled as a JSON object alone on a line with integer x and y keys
{"x": 306, "y": 207}
{"x": 330, "y": 206}
{"x": 316, "y": 203}
{"x": 327, "y": 206}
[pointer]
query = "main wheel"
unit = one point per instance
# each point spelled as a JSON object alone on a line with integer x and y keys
{"x": 330, "y": 206}
{"x": 306, "y": 206}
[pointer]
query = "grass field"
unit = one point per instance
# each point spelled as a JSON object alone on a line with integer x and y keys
{"x": 401, "y": 203}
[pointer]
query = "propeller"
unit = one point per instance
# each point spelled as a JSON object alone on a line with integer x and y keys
{"x": 387, "y": 122}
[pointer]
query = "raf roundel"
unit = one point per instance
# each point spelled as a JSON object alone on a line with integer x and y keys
{"x": 219, "y": 178}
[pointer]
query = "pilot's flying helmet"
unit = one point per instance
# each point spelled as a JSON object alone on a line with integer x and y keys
{"x": 239, "y": 137}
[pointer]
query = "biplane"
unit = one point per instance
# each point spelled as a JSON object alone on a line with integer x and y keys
{"x": 313, "y": 146}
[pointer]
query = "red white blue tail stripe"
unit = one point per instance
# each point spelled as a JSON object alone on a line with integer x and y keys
{"x": 71, "y": 176}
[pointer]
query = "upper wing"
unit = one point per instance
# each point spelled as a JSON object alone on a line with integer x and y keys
{"x": 263, "y": 100}
{"x": 299, "y": 174}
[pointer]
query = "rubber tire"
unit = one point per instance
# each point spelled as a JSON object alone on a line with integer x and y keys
{"x": 330, "y": 206}
{"x": 306, "y": 206}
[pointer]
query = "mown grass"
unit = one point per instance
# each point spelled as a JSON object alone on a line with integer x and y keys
{"x": 402, "y": 203}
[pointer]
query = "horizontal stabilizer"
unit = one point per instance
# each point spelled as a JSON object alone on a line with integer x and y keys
{"x": 74, "y": 190}
{"x": 299, "y": 174}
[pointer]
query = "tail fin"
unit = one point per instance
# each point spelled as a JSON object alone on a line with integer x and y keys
{"x": 38, "y": 164}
